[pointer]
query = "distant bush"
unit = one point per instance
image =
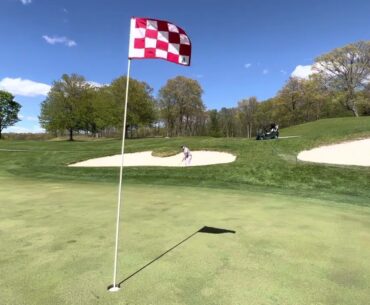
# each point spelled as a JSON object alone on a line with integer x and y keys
{"x": 27, "y": 136}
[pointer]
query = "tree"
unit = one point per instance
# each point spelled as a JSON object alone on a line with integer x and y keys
{"x": 266, "y": 114}
{"x": 290, "y": 100}
{"x": 247, "y": 110}
{"x": 214, "y": 125}
{"x": 181, "y": 105}
{"x": 9, "y": 109}
{"x": 102, "y": 111}
{"x": 346, "y": 69}
{"x": 315, "y": 99}
{"x": 140, "y": 107}
{"x": 365, "y": 100}
{"x": 303, "y": 100}
{"x": 66, "y": 106}
{"x": 228, "y": 122}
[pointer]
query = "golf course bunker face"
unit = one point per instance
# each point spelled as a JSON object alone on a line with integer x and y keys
{"x": 348, "y": 153}
{"x": 146, "y": 158}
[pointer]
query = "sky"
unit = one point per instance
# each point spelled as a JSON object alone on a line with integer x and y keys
{"x": 240, "y": 48}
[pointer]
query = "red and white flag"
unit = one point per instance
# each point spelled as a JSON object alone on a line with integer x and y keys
{"x": 152, "y": 38}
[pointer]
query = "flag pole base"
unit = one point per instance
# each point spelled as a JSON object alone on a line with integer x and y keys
{"x": 112, "y": 288}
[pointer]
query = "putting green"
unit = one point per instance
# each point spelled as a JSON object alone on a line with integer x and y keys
{"x": 57, "y": 242}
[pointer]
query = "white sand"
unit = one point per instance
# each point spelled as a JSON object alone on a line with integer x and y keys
{"x": 145, "y": 158}
{"x": 348, "y": 153}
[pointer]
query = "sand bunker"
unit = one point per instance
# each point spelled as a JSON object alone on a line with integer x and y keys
{"x": 348, "y": 153}
{"x": 146, "y": 158}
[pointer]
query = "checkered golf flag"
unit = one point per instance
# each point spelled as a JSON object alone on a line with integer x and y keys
{"x": 151, "y": 38}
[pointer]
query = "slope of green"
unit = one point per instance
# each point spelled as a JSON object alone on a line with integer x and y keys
{"x": 57, "y": 241}
{"x": 332, "y": 129}
{"x": 267, "y": 166}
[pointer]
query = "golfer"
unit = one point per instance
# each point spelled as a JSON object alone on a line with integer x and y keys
{"x": 187, "y": 155}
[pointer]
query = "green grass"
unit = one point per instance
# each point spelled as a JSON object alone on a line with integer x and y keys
{"x": 57, "y": 242}
{"x": 332, "y": 129}
{"x": 261, "y": 165}
{"x": 302, "y": 230}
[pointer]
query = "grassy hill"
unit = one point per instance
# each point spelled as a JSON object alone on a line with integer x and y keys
{"x": 331, "y": 128}
{"x": 268, "y": 166}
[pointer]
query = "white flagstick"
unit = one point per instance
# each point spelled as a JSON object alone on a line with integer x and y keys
{"x": 115, "y": 287}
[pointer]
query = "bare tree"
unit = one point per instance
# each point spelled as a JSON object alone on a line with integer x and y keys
{"x": 346, "y": 69}
{"x": 247, "y": 110}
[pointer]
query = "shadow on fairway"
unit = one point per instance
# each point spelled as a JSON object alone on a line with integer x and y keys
{"x": 205, "y": 229}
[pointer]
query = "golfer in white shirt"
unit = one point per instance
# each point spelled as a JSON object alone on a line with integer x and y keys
{"x": 187, "y": 155}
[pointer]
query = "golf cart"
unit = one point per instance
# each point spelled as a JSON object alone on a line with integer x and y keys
{"x": 273, "y": 133}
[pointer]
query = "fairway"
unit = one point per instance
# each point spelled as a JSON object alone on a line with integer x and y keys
{"x": 57, "y": 246}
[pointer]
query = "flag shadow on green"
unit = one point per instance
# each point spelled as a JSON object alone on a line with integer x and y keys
{"x": 205, "y": 229}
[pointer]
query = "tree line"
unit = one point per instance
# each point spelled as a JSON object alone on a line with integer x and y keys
{"x": 339, "y": 86}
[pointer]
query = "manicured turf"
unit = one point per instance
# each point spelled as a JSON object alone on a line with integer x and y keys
{"x": 57, "y": 246}
{"x": 302, "y": 230}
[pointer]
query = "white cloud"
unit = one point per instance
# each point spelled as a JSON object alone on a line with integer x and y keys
{"x": 265, "y": 71}
{"x": 31, "y": 118}
{"x": 28, "y": 118}
{"x": 248, "y": 65}
{"x": 25, "y": 2}
{"x": 20, "y": 129}
{"x": 95, "y": 84}
{"x": 24, "y": 87}
{"x": 319, "y": 67}
{"x": 303, "y": 71}
{"x": 59, "y": 39}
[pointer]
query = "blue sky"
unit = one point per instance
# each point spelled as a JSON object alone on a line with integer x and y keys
{"x": 240, "y": 48}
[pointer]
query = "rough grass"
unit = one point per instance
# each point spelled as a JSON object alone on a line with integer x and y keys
{"x": 57, "y": 242}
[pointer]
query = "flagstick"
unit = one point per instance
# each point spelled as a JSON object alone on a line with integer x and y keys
{"x": 114, "y": 287}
